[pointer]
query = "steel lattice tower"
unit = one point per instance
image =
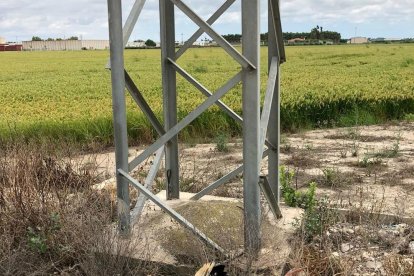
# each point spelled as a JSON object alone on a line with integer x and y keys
{"x": 260, "y": 138}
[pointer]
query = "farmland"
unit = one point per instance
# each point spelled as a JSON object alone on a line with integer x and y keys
{"x": 67, "y": 94}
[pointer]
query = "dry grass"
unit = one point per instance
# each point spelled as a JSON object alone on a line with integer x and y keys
{"x": 51, "y": 221}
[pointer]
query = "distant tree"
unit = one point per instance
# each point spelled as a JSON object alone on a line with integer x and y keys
{"x": 334, "y": 36}
{"x": 233, "y": 38}
{"x": 315, "y": 34}
{"x": 150, "y": 43}
{"x": 73, "y": 38}
{"x": 264, "y": 37}
{"x": 58, "y": 39}
{"x": 36, "y": 38}
{"x": 50, "y": 39}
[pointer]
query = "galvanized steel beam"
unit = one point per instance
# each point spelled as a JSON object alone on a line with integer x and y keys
{"x": 205, "y": 91}
{"x": 176, "y": 216}
{"x": 270, "y": 89}
{"x": 270, "y": 197}
{"x": 244, "y": 62}
{"x": 251, "y": 125}
{"x": 142, "y": 103}
{"x": 276, "y": 30}
{"x": 130, "y": 23}
{"x": 119, "y": 111}
{"x": 273, "y": 133}
{"x": 200, "y": 31}
{"x": 222, "y": 180}
{"x": 132, "y": 20}
{"x": 167, "y": 35}
{"x": 185, "y": 122}
{"x": 139, "y": 206}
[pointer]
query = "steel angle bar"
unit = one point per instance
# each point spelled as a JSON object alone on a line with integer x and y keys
{"x": 130, "y": 23}
{"x": 119, "y": 111}
{"x": 270, "y": 197}
{"x": 273, "y": 132}
{"x": 132, "y": 19}
{"x": 169, "y": 99}
{"x": 251, "y": 126}
{"x": 139, "y": 206}
{"x": 245, "y": 63}
{"x": 143, "y": 105}
{"x": 176, "y": 216}
{"x": 205, "y": 91}
{"x": 200, "y": 31}
{"x": 274, "y": 12}
{"x": 222, "y": 180}
{"x": 267, "y": 105}
{"x": 218, "y": 183}
{"x": 186, "y": 121}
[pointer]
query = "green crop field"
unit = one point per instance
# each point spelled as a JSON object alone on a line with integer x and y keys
{"x": 67, "y": 94}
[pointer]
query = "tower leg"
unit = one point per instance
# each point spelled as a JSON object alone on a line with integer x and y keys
{"x": 119, "y": 111}
{"x": 251, "y": 125}
{"x": 273, "y": 132}
{"x": 167, "y": 34}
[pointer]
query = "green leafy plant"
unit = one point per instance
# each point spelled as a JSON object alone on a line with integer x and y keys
{"x": 222, "y": 143}
{"x": 293, "y": 197}
{"x": 36, "y": 241}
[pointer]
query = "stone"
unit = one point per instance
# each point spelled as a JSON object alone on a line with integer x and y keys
{"x": 345, "y": 247}
{"x": 411, "y": 247}
{"x": 335, "y": 255}
{"x": 376, "y": 265}
{"x": 365, "y": 255}
{"x": 383, "y": 234}
{"x": 349, "y": 231}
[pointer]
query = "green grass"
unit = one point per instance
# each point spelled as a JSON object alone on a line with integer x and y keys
{"x": 67, "y": 94}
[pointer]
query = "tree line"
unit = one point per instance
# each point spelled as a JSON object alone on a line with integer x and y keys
{"x": 315, "y": 33}
{"x": 37, "y": 38}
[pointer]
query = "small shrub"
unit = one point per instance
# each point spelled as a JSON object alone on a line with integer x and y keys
{"x": 330, "y": 176}
{"x": 222, "y": 143}
{"x": 291, "y": 196}
{"x": 409, "y": 117}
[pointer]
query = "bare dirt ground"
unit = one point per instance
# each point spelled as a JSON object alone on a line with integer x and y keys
{"x": 369, "y": 167}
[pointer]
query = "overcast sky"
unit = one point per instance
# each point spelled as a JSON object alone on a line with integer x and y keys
{"x": 22, "y": 19}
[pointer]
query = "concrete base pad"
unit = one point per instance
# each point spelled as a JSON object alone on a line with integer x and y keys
{"x": 221, "y": 219}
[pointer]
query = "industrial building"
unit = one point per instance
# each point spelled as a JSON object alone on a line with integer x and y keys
{"x": 358, "y": 40}
{"x": 65, "y": 45}
{"x": 5, "y": 46}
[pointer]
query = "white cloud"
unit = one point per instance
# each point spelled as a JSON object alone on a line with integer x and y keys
{"x": 47, "y": 18}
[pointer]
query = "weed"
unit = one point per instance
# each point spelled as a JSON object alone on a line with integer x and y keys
{"x": 291, "y": 196}
{"x": 330, "y": 176}
{"x": 286, "y": 148}
{"x": 409, "y": 117}
{"x": 354, "y": 149}
{"x": 222, "y": 143}
{"x": 368, "y": 162}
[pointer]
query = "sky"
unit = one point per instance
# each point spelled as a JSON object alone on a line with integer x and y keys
{"x": 22, "y": 19}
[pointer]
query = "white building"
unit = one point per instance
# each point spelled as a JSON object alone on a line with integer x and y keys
{"x": 65, "y": 45}
{"x": 358, "y": 40}
{"x": 136, "y": 44}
